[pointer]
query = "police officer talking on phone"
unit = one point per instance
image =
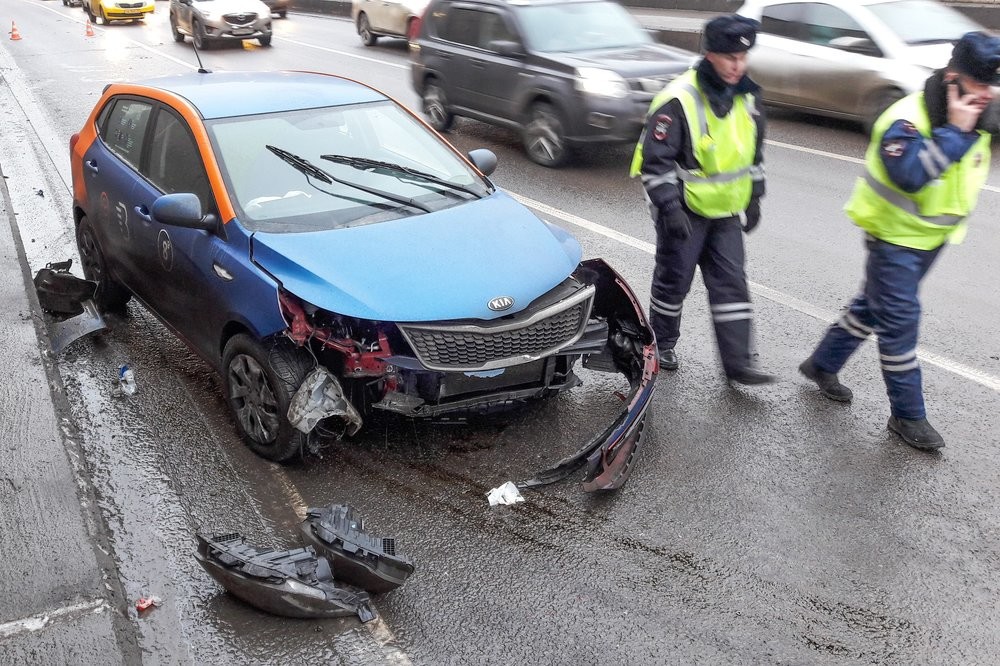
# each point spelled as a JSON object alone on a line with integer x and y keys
{"x": 928, "y": 158}
{"x": 700, "y": 159}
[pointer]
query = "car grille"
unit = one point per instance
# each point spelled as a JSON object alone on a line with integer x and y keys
{"x": 129, "y": 5}
{"x": 243, "y": 18}
{"x": 530, "y": 335}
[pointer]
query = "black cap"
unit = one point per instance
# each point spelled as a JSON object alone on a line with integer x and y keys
{"x": 730, "y": 33}
{"x": 977, "y": 54}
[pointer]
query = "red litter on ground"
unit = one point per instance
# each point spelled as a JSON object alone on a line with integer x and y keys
{"x": 145, "y": 603}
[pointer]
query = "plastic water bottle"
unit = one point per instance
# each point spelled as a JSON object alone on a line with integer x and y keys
{"x": 126, "y": 380}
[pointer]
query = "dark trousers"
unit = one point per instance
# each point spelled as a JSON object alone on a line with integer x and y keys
{"x": 717, "y": 247}
{"x": 888, "y": 306}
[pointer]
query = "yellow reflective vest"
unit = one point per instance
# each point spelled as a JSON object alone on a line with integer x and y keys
{"x": 934, "y": 214}
{"x": 724, "y": 149}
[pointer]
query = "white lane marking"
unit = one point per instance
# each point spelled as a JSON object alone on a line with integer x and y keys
{"x": 344, "y": 53}
{"x": 381, "y": 634}
{"x": 965, "y": 371}
{"x": 38, "y": 622}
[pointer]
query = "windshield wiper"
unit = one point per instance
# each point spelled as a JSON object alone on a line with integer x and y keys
{"x": 363, "y": 163}
{"x": 309, "y": 169}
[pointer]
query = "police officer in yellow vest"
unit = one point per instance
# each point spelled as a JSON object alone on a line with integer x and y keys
{"x": 927, "y": 161}
{"x": 700, "y": 161}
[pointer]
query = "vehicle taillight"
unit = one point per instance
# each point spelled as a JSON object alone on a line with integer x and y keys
{"x": 414, "y": 28}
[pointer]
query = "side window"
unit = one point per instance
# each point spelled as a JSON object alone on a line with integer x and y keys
{"x": 125, "y": 130}
{"x": 492, "y": 28}
{"x": 825, "y": 23}
{"x": 174, "y": 160}
{"x": 462, "y": 26}
{"x": 782, "y": 20}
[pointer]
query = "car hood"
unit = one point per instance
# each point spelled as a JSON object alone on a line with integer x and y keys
{"x": 233, "y": 7}
{"x": 443, "y": 265}
{"x": 641, "y": 60}
{"x": 930, "y": 56}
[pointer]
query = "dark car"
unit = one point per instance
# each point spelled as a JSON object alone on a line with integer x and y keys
{"x": 562, "y": 72}
{"x": 333, "y": 258}
{"x": 279, "y": 7}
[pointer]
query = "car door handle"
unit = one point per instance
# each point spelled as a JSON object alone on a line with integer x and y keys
{"x": 143, "y": 213}
{"x": 91, "y": 166}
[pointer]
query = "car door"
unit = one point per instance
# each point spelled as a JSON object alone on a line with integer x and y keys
{"x": 111, "y": 169}
{"x": 459, "y": 36}
{"x": 495, "y": 66}
{"x": 182, "y": 268}
{"x": 776, "y": 59}
{"x": 834, "y": 71}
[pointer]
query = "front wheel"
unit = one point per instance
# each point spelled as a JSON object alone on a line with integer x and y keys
{"x": 198, "y": 35}
{"x": 178, "y": 35}
{"x": 436, "y": 108}
{"x": 111, "y": 296}
{"x": 368, "y": 38}
{"x": 544, "y": 137}
{"x": 260, "y": 380}
{"x": 283, "y": 13}
{"x": 101, "y": 15}
{"x": 264, "y": 40}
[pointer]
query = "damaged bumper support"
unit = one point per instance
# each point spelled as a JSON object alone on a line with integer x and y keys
{"x": 372, "y": 563}
{"x": 70, "y": 301}
{"x": 290, "y": 583}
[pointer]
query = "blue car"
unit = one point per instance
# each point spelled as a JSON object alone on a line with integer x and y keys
{"x": 331, "y": 255}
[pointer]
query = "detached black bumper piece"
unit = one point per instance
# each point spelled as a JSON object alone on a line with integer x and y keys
{"x": 372, "y": 563}
{"x": 291, "y": 583}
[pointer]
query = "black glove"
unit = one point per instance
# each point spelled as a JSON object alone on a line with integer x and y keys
{"x": 676, "y": 223}
{"x": 752, "y": 215}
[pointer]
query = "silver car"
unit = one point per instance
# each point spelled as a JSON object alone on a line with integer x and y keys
{"x": 849, "y": 58}
{"x": 394, "y": 18}
{"x": 215, "y": 21}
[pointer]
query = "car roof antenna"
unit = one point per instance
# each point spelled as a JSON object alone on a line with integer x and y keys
{"x": 201, "y": 68}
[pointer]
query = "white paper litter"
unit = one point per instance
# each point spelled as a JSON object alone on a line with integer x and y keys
{"x": 505, "y": 494}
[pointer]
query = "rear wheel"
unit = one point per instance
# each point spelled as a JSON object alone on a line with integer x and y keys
{"x": 111, "y": 296}
{"x": 260, "y": 381}
{"x": 544, "y": 137}
{"x": 368, "y": 38}
{"x": 283, "y": 13}
{"x": 436, "y": 107}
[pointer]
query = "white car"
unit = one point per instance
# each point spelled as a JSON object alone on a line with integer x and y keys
{"x": 392, "y": 18}
{"x": 849, "y": 58}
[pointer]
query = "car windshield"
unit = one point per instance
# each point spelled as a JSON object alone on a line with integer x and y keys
{"x": 275, "y": 171}
{"x": 923, "y": 21}
{"x": 580, "y": 26}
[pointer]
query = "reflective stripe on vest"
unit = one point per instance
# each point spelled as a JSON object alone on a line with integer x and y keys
{"x": 910, "y": 206}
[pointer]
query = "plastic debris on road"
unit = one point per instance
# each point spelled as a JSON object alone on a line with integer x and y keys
{"x": 373, "y": 563}
{"x": 126, "y": 381}
{"x": 146, "y": 602}
{"x": 505, "y": 494}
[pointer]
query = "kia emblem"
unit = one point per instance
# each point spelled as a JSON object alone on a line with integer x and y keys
{"x": 501, "y": 303}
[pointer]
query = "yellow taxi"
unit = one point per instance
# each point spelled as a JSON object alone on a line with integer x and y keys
{"x": 117, "y": 10}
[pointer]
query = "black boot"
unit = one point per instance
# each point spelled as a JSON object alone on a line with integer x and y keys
{"x": 827, "y": 382}
{"x": 668, "y": 359}
{"x": 918, "y": 433}
{"x": 751, "y": 376}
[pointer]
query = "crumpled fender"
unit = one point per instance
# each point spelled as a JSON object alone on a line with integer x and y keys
{"x": 291, "y": 583}
{"x": 631, "y": 349}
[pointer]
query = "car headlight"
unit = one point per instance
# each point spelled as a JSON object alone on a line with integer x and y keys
{"x": 600, "y": 82}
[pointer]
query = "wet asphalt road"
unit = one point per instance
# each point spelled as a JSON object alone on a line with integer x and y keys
{"x": 761, "y": 525}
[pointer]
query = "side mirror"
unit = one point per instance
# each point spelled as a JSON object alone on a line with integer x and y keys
{"x": 183, "y": 210}
{"x": 859, "y": 45}
{"x": 484, "y": 159}
{"x": 506, "y": 48}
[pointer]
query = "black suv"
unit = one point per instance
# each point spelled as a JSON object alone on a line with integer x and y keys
{"x": 562, "y": 72}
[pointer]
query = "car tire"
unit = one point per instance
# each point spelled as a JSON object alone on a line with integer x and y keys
{"x": 260, "y": 381}
{"x": 283, "y": 13}
{"x": 198, "y": 35}
{"x": 102, "y": 16}
{"x": 435, "y": 105}
{"x": 880, "y": 101}
{"x": 111, "y": 296}
{"x": 544, "y": 137}
{"x": 368, "y": 38}
{"x": 264, "y": 40}
{"x": 178, "y": 35}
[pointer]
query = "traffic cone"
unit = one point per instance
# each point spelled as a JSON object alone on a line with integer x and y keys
{"x": 14, "y": 34}
{"x": 90, "y": 29}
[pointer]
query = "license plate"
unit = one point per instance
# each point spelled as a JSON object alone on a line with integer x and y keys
{"x": 242, "y": 31}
